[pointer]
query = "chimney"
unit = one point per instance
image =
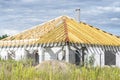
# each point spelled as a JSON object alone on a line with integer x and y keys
{"x": 78, "y": 14}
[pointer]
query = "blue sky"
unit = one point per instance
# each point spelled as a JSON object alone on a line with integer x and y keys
{"x": 18, "y": 15}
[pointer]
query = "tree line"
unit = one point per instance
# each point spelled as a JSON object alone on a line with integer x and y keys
{"x": 3, "y": 36}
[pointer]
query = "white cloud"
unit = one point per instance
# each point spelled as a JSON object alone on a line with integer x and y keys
{"x": 115, "y": 19}
{"x": 33, "y": 19}
{"x": 24, "y": 14}
{"x": 116, "y": 4}
{"x": 29, "y": 1}
{"x": 109, "y": 8}
{"x": 92, "y": 12}
{"x": 8, "y": 32}
{"x": 100, "y": 10}
{"x": 8, "y": 10}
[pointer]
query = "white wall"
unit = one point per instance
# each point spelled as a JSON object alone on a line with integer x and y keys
{"x": 72, "y": 56}
{"x": 20, "y": 53}
{"x": 97, "y": 52}
{"x": 3, "y": 53}
{"x": 58, "y": 52}
{"x": 53, "y": 53}
{"x": 118, "y": 59}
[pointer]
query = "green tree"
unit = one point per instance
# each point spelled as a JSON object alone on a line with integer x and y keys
{"x": 3, "y": 36}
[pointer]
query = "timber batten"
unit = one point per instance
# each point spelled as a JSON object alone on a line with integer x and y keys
{"x": 65, "y": 37}
{"x": 62, "y": 29}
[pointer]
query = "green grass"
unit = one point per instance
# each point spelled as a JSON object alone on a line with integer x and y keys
{"x": 13, "y": 70}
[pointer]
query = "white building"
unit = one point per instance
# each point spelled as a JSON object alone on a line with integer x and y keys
{"x": 63, "y": 39}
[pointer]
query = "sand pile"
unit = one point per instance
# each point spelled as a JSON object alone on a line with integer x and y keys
{"x": 55, "y": 66}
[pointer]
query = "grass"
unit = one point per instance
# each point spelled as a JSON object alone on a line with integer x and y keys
{"x": 13, "y": 70}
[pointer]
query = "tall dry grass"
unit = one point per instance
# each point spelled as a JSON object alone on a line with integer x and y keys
{"x": 13, "y": 70}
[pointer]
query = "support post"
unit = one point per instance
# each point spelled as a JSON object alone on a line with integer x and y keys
{"x": 83, "y": 56}
{"x": 67, "y": 53}
{"x": 100, "y": 60}
{"x": 41, "y": 54}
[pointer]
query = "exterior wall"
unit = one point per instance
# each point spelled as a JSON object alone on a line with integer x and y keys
{"x": 72, "y": 56}
{"x": 98, "y": 54}
{"x": 118, "y": 59}
{"x": 55, "y": 53}
{"x": 59, "y": 53}
{"x": 3, "y": 54}
{"x": 19, "y": 53}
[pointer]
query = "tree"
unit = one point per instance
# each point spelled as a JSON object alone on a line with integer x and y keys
{"x": 3, "y": 36}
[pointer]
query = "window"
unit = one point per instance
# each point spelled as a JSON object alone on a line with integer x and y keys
{"x": 110, "y": 58}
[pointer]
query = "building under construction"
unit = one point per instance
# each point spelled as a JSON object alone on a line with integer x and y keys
{"x": 63, "y": 39}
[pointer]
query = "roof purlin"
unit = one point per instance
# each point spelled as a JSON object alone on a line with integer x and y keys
{"x": 65, "y": 29}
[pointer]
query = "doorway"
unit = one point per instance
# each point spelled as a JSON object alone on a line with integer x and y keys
{"x": 77, "y": 57}
{"x": 36, "y": 58}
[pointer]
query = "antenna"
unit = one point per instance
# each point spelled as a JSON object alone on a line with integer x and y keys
{"x": 78, "y": 14}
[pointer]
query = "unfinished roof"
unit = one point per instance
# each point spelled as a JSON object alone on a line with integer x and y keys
{"x": 70, "y": 30}
{"x": 62, "y": 29}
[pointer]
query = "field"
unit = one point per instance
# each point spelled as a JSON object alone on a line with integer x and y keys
{"x": 23, "y": 70}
